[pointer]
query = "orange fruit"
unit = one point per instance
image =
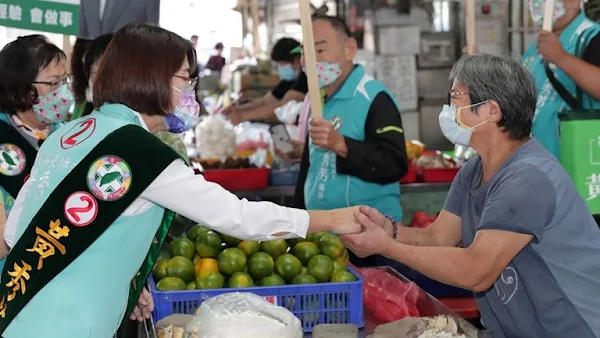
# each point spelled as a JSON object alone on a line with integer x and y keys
{"x": 181, "y": 267}
{"x": 208, "y": 244}
{"x": 240, "y": 280}
{"x": 274, "y": 248}
{"x": 331, "y": 246}
{"x": 288, "y": 266}
{"x": 260, "y": 265}
{"x": 320, "y": 267}
{"x": 205, "y": 265}
{"x": 210, "y": 280}
{"x": 232, "y": 260}
{"x": 182, "y": 247}
{"x": 304, "y": 251}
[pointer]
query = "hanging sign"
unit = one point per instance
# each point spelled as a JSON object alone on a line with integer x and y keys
{"x": 45, "y": 16}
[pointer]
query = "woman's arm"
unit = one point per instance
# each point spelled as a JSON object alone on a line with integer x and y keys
{"x": 178, "y": 189}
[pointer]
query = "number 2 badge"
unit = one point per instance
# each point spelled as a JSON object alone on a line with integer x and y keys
{"x": 78, "y": 133}
{"x": 81, "y": 208}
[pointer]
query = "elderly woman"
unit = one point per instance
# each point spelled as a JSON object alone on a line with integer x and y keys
{"x": 87, "y": 227}
{"x": 530, "y": 248}
{"x": 34, "y": 100}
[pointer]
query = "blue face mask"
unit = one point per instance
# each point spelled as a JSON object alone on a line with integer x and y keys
{"x": 186, "y": 115}
{"x": 287, "y": 72}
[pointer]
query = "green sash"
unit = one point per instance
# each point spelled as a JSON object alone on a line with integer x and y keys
{"x": 16, "y": 159}
{"x": 51, "y": 241}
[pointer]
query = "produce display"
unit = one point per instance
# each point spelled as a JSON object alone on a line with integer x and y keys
{"x": 215, "y": 138}
{"x": 205, "y": 259}
{"x": 228, "y": 163}
{"x": 414, "y": 149}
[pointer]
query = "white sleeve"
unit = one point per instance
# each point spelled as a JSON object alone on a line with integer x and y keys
{"x": 177, "y": 188}
{"x": 10, "y": 228}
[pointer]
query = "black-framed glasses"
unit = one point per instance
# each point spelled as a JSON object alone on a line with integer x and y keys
{"x": 190, "y": 80}
{"x": 66, "y": 80}
{"x": 451, "y": 94}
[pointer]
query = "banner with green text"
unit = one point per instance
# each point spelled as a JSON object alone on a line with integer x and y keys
{"x": 46, "y": 16}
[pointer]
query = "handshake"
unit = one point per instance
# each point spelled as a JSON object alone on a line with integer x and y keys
{"x": 365, "y": 231}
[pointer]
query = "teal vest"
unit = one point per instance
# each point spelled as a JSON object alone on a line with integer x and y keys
{"x": 118, "y": 252}
{"x": 549, "y": 103}
{"x": 325, "y": 188}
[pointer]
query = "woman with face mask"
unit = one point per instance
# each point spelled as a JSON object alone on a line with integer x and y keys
{"x": 570, "y": 54}
{"x": 90, "y": 61}
{"x": 514, "y": 229}
{"x": 87, "y": 228}
{"x": 34, "y": 100}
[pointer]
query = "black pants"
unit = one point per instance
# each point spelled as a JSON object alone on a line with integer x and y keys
{"x": 597, "y": 219}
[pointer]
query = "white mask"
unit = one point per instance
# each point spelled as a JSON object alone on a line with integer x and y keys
{"x": 454, "y": 130}
{"x": 89, "y": 93}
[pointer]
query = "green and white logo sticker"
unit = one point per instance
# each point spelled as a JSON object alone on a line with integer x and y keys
{"x": 109, "y": 178}
{"x": 12, "y": 160}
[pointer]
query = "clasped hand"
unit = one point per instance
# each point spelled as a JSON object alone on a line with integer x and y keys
{"x": 375, "y": 236}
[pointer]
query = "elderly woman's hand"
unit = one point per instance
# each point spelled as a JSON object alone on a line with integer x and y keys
{"x": 372, "y": 240}
{"x": 376, "y": 217}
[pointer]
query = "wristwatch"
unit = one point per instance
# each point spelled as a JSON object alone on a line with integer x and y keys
{"x": 394, "y": 226}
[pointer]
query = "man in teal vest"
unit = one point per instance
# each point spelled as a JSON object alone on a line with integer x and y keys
{"x": 572, "y": 51}
{"x": 356, "y": 152}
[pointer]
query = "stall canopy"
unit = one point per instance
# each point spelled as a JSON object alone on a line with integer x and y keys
{"x": 54, "y": 16}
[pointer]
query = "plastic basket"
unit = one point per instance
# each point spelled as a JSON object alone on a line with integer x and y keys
{"x": 411, "y": 175}
{"x": 326, "y": 303}
{"x": 441, "y": 175}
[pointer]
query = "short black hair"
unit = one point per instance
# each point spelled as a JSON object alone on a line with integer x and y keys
{"x": 336, "y": 22}
{"x": 194, "y": 37}
{"x": 282, "y": 49}
{"x": 219, "y": 45}
{"x": 95, "y": 51}
{"x": 20, "y": 63}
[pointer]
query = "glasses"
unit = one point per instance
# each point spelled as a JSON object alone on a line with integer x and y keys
{"x": 67, "y": 80}
{"x": 190, "y": 80}
{"x": 450, "y": 95}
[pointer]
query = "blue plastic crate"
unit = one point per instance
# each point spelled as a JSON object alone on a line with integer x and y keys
{"x": 283, "y": 178}
{"x": 325, "y": 303}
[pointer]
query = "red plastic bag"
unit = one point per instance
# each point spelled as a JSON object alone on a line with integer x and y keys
{"x": 389, "y": 298}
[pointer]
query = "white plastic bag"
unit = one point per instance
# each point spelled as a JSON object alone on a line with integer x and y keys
{"x": 252, "y": 136}
{"x": 215, "y": 138}
{"x": 236, "y": 314}
{"x": 289, "y": 112}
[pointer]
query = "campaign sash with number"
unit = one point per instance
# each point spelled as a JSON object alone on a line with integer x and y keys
{"x": 55, "y": 238}
{"x": 16, "y": 159}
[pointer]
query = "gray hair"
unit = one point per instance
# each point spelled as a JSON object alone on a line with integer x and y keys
{"x": 503, "y": 80}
